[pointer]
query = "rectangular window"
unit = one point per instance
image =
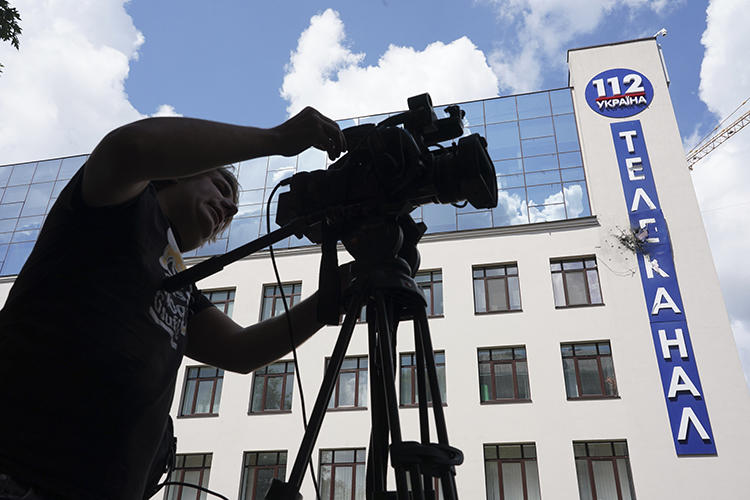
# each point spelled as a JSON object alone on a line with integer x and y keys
{"x": 191, "y": 469}
{"x": 222, "y": 299}
{"x": 202, "y": 392}
{"x": 511, "y": 472}
{"x": 272, "y": 388}
{"x": 408, "y": 378}
{"x": 503, "y": 375}
{"x": 603, "y": 470}
{"x": 342, "y": 474}
{"x": 431, "y": 284}
{"x": 272, "y": 301}
{"x": 589, "y": 371}
{"x": 575, "y": 282}
{"x": 351, "y": 385}
{"x": 259, "y": 468}
{"x": 496, "y": 289}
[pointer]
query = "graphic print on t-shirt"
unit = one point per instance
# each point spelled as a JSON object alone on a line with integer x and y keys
{"x": 169, "y": 309}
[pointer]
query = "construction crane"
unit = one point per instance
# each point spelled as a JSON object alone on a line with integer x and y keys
{"x": 708, "y": 144}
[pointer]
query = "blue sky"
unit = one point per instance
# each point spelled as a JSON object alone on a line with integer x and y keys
{"x": 88, "y": 66}
{"x": 226, "y": 60}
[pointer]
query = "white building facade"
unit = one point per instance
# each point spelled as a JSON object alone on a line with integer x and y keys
{"x": 577, "y": 360}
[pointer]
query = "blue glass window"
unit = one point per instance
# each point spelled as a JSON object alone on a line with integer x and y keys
{"x": 253, "y": 174}
{"x": 476, "y": 220}
{"x": 26, "y": 223}
{"x": 542, "y": 177}
{"x": 510, "y": 181}
{"x": 503, "y": 141}
{"x": 544, "y": 162}
{"x": 506, "y": 167}
{"x": 572, "y": 174}
{"x": 577, "y": 199}
{"x": 6, "y": 237}
{"x": 474, "y": 113}
{"x": 533, "y": 105}
{"x": 570, "y": 159}
{"x": 511, "y": 208}
{"x": 249, "y": 197}
{"x": 243, "y": 231}
{"x": 281, "y": 162}
{"x": 439, "y": 218}
{"x": 10, "y": 211}
{"x": 5, "y": 175}
{"x": 536, "y": 127}
{"x": 17, "y": 255}
{"x": 22, "y": 174}
{"x": 545, "y": 194}
{"x": 562, "y": 101}
{"x": 37, "y": 199}
{"x": 566, "y": 133}
{"x": 47, "y": 171}
{"x": 15, "y": 194}
{"x": 311, "y": 159}
{"x": 538, "y": 146}
{"x": 7, "y": 225}
{"x": 500, "y": 110}
{"x": 547, "y": 213}
{"x": 70, "y": 166}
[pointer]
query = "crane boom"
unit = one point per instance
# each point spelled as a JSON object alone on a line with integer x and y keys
{"x": 699, "y": 153}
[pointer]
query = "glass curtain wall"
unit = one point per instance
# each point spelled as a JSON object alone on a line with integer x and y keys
{"x": 532, "y": 140}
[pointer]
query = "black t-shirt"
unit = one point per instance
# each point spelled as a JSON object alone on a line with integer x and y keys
{"x": 90, "y": 348}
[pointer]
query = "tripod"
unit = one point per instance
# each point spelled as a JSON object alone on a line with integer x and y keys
{"x": 384, "y": 264}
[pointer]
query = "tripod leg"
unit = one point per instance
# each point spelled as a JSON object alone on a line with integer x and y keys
{"x": 422, "y": 338}
{"x": 324, "y": 395}
{"x": 424, "y": 422}
{"x": 385, "y": 353}
{"x": 378, "y": 457}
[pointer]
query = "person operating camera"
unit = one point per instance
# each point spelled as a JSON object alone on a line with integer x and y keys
{"x": 90, "y": 344}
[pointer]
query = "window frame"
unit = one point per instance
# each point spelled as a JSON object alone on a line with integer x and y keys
{"x": 285, "y": 376}
{"x": 613, "y": 458}
{"x": 493, "y": 399}
{"x": 279, "y": 471}
{"x": 504, "y": 277}
{"x": 598, "y": 357}
{"x": 216, "y": 389}
{"x": 276, "y": 299}
{"x": 359, "y": 372}
{"x": 413, "y": 377}
{"x": 358, "y": 452}
{"x": 430, "y": 283}
{"x": 523, "y": 460}
{"x": 584, "y": 270}
{"x": 227, "y": 306}
{"x": 179, "y": 475}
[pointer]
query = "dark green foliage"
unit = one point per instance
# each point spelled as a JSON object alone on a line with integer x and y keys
{"x": 9, "y": 28}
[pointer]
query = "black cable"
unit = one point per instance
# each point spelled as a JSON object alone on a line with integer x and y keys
{"x": 178, "y": 483}
{"x": 289, "y": 325}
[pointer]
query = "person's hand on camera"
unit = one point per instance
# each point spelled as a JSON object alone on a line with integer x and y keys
{"x": 309, "y": 128}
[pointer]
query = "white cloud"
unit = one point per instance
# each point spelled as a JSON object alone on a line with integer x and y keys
{"x": 65, "y": 88}
{"x": 324, "y": 73}
{"x": 543, "y": 28}
{"x": 722, "y": 180}
{"x": 166, "y": 110}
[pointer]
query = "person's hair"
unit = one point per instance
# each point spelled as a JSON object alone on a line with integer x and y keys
{"x": 227, "y": 172}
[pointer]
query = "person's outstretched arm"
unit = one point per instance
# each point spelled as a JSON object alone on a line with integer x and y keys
{"x": 215, "y": 339}
{"x": 124, "y": 162}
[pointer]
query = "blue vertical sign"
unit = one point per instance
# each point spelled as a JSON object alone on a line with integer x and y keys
{"x": 688, "y": 416}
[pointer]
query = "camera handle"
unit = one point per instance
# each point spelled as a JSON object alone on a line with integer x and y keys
{"x": 391, "y": 294}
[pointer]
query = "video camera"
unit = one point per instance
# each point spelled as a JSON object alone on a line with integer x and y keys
{"x": 390, "y": 170}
